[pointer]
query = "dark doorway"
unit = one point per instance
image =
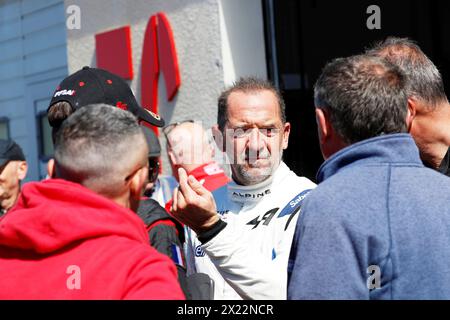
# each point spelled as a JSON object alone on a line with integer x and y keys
{"x": 301, "y": 36}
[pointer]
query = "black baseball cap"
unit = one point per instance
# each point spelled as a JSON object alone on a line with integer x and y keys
{"x": 10, "y": 151}
{"x": 93, "y": 85}
{"x": 154, "y": 146}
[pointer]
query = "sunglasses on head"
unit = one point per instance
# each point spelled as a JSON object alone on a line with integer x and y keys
{"x": 172, "y": 126}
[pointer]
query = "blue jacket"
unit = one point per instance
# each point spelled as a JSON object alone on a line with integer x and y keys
{"x": 377, "y": 214}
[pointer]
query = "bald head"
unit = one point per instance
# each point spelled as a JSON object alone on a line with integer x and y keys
{"x": 188, "y": 147}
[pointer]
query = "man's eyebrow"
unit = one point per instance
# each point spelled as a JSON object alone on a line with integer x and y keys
{"x": 267, "y": 124}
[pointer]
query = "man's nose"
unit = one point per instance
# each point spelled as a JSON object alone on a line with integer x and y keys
{"x": 255, "y": 140}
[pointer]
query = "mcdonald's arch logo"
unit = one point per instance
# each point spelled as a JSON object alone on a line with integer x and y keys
{"x": 113, "y": 53}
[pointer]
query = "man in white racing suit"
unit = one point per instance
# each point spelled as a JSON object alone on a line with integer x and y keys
{"x": 241, "y": 234}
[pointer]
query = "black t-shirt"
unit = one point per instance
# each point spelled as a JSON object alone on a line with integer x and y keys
{"x": 444, "y": 167}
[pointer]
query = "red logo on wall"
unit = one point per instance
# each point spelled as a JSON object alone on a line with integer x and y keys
{"x": 113, "y": 53}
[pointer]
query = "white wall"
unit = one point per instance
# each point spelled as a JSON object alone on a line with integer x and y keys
{"x": 197, "y": 39}
{"x": 215, "y": 42}
{"x": 242, "y": 32}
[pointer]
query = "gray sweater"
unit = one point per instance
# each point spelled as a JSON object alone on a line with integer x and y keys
{"x": 376, "y": 227}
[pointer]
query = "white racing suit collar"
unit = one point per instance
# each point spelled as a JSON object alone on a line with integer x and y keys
{"x": 256, "y": 192}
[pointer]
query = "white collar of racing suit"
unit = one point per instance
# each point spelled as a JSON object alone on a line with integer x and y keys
{"x": 256, "y": 192}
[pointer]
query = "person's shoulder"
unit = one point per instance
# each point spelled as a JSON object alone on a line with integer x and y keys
{"x": 221, "y": 193}
{"x": 353, "y": 198}
{"x": 149, "y": 274}
{"x": 433, "y": 175}
{"x": 150, "y": 210}
{"x": 289, "y": 174}
{"x": 136, "y": 253}
{"x": 122, "y": 253}
{"x": 321, "y": 198}
{"x": 423, "y": 184}
{"x": 298, "y": 183}
{"x": 303, "y": 182}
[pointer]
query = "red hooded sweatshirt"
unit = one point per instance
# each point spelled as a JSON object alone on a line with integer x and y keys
{"x": 63, "y": 241}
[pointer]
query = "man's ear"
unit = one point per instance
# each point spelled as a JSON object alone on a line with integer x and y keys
{"x": 218, "y": 137}
{"x": 286, "y": 132}
{"x": 22, "y": 170}
{"x": 137, "y": 183}
{"x": 51, "y": 170}
{"x": 323, "y": 125}
{"x": 172, "y": 157}
{"x": 411, "y": 114}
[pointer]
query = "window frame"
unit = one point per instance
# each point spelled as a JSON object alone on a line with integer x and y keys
{"x": 8, "y": 128}
{"x": 40, "y": 135}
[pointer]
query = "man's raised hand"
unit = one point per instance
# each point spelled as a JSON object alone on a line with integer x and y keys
{"x": 193, "y": 204}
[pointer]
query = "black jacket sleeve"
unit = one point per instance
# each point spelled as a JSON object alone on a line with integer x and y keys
{"x": 165, "y": 237}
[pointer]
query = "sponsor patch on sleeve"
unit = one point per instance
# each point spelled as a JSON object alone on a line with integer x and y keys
{"x": 294, "y": 204}
{"x": 199, "y": 252}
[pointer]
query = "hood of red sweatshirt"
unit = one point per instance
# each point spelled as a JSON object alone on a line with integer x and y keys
{"x": 54, "y": 213}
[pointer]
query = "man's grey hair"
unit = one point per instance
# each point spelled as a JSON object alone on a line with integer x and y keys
{"x": 96, "y": 143}
{"x": 247, "y": 85}
{"x": 365, "y": 96}
{"x": 424, "y": 80}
